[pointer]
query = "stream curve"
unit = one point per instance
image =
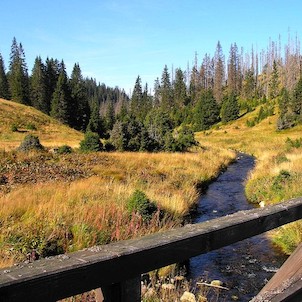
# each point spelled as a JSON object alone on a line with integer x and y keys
{"x": 245, "y": 266}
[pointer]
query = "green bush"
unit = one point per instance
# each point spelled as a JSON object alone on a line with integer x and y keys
{"x": 64, "y": 149}
{"x": 14, "y": 128}
{"x": 91, "y": 142}
{"x": 140, "y": 203}
{"x": 31, "y": 126}
{"x": 29, "y": 143}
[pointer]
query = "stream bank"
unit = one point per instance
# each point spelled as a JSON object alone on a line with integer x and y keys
{"x": 245, "y": 266}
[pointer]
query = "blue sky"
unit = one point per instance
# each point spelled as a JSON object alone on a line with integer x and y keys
{"x": 114, "y": 41}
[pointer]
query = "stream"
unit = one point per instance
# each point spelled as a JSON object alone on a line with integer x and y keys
{"x": 245, "y": 266}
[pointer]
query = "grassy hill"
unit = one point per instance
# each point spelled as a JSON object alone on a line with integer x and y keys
{"x": 278, "y": 172}
{"x": 17, "y": 120}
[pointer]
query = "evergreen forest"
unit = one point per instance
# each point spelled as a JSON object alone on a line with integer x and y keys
{"x": 218, "y": 89}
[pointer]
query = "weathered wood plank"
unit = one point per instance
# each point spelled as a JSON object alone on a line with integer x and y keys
{"x": 67, "y": 275}
{"x": 286, "y": 283}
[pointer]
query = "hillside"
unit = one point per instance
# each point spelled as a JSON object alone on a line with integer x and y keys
{"x": 278, "y": 172}
{"x": 17, "y": 120}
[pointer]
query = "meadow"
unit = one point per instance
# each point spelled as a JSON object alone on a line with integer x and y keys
{"x": 278, "y": 172}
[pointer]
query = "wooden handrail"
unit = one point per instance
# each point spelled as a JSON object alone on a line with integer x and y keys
{"x": 122, "y": 262}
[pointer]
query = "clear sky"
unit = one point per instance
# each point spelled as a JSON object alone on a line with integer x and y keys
{"x": 114, "y": 41}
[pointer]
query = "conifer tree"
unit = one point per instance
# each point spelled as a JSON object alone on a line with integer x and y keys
{"x": 60, "y": 105}
{"x": 180, "y": 90}
{"x": 274, "y": 82}
{"x": 136, "y": 99}
{"x": 52, "y": 75}
{"x": 230, "y": 108}
{"x": 166, "y": 90}
{"x": 95, "y": 123}
{"x": 206, "y": 111}
{"x": 110, "y": 115}
{"x": 80, "y": 105}
{"x": 4, "y": 88}
{"x": 18, "y": 75}
{"x": 219, "y": 72}
{"x": 38, "y": 87}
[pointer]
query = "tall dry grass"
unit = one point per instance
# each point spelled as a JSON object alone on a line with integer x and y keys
{"x": 58, "y": 216}
{"x": 278, "y": 172}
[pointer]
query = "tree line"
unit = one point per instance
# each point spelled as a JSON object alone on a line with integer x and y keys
{"x": 217, "y": 90}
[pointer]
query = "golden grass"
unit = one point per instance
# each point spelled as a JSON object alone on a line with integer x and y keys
{"x": 273, "y": 155}
{"x": 50, "y": 132}
{"x": 92, "y": 211}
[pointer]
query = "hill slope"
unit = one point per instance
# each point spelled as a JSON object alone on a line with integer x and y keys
{"x": 26, "y": 120}
{"x": 278, "y": 172}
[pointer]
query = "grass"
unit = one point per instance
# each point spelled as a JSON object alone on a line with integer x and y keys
{"x": 64, "y": 214}
{"x": 278, "y": 153}
{"x": 17, "y": 120}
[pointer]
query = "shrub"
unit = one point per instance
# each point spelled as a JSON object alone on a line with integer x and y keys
{"x": 14, "y": 128}
{"x": 29, "y": 143}
{"x": 64, "y": 149}
{"x": 91, "y": 142}
{"x": 140, "y": 203}
{"x": 31, "y": 126}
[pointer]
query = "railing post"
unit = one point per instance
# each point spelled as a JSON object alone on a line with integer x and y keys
{"x": 125, "y": 291}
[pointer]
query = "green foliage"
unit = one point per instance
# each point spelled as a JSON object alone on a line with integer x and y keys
{"x": 65, "y": 149}
{"x": 91, "y": 142}
{"x": 230, "y": 109}
{"x": 30, "y": 143}
{"x": 293, "y": 143}
{"x": 140, "y": 203}
{"x": 264, "y": 112}
{"x": 280, "y": 181}
{"x": 31, "y": 126}
{"x": 14, "y": 127}
{"x": 286, "y": 121}
{"x": 206, "y": 112}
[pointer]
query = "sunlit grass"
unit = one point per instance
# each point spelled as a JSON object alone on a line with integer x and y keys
{"x": 50, "y": 132}
{"x": 274, "y": 158}
{"x": 67, "y": 216}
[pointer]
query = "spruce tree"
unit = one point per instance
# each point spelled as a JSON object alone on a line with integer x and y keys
{"x": 166, "y": 90}
{"x": 4, "y": 88}
{"x": 95, "y": 123}
{"x": 52, "y": 75}
{"x": 80, "y": 112}
{"x": 180, "y": 90}
{"x": 38, "y": 87}
{"x": 136, "y": 99}
{"x": 206, "y": 111}
{"x": 18, "y": 75}
{"x": 60, "y": 105}
{"x": 219, "y": 71}
{"x": 230, "y": 109}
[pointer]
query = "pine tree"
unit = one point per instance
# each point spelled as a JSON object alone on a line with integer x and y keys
{"x": 60, "y": 105}
{"x": 166, "y": 90}
{"x": 80, "y": 114}
{"x": 206, "y": 111}
{"x": 110, "y": 116}
{"x": 52, "y": 75}
{"x": 296, "y": 104}
{"x": 137, "y": 99}
{"x": 219, "y": 72}
{"x": 18, "y": 75}
{"x": 180, "y": 89}
{"x": 230, "y": 109}
{"x": 274, "y": 82}
{"x": 234, "y": 71}
{"x": 4, "y": 88}
{"x": 95, "y": 123}
{"x": 38, "y": 87}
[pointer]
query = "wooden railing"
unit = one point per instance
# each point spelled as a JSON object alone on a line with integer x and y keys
{"x": 117, "y": 267}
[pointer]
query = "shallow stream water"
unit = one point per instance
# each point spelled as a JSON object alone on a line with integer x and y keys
{"x": 245, "y": 266}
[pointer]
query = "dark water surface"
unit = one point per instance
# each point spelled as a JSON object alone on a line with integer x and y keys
{"x": 245, "y": 266}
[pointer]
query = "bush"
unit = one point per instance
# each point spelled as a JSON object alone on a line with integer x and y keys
{"x": 91, "y": 142}
{"x": 64, "y": 149}
{"x": 29, "y": 143}
{"x": 14, "y": 128}
{"x": 31, "y": 126}
{"x": 140, "y": 203}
